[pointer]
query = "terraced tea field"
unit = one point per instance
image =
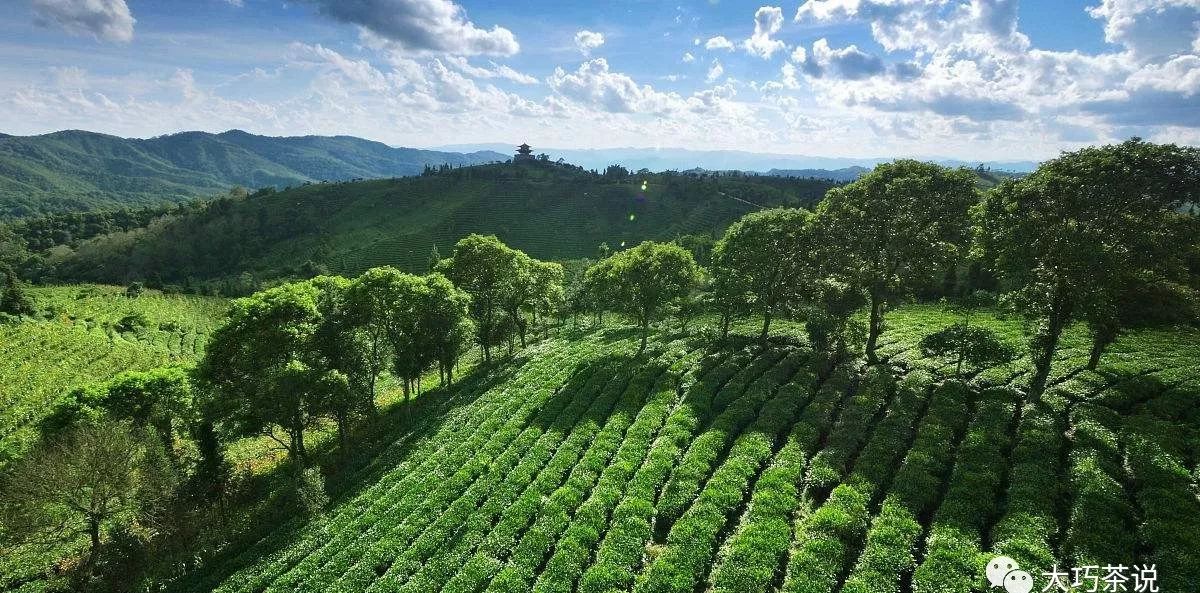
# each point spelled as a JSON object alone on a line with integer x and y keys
{"x": 78, "y": 338}
{"x": 583, "y": 467}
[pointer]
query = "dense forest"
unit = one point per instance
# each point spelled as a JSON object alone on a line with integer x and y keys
{"x": 234, "y": 243}
{"x": 735, "y": 383}
{"x": 74, "y": 170}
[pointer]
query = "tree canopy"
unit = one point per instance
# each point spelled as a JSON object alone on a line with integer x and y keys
{"x": 894, "y": 228}
{"x": 1068, "y": 239}
{"x": 645, "y": 280}
{"x": 766, "y": 261}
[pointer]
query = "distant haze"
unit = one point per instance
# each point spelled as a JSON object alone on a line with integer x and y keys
{"x": 662, "y": 159}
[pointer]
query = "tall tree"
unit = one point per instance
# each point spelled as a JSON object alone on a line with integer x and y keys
{"x": 90, "y": 481}
{"x": 548, "y": 294}
{"x": 894, "y": 228}
{"x": 647, "y": 279}
{"x": 254, "y": 365}
{"x": 768, "y": 255}
{"x": 342, "y": 355}
{"x": 598, "y": 293}
{"x": 519, "y": 292}
{"x": 13, "y": 299}
{"x": 482, "y": 266}
{"x": 445, "y": 318}
{"x": 372, "y": 308}
{"x": 1070, "y": 238}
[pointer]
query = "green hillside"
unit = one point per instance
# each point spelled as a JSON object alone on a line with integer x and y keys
{"x": 550, "y": 211}
{"x": 694, "y": 468}
{"x": 77, "y": 170}
{"x": 88, "y": 333}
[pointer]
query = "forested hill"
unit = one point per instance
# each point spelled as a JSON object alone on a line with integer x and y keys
{"x": 78, "y": 170}
{"x": 551, "y": 211}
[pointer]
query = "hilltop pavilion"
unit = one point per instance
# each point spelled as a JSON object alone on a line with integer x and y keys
{"x": 524, "y": 153}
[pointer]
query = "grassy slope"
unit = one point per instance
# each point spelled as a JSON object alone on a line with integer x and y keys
{"x": 738, "y": 470}
{"x": 74, "y": 343}
{"x": 73, "y": 170}
{"x": 550, "y": 212}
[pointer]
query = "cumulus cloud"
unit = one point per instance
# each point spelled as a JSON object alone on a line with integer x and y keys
{"x": 715, "y": 72}
{"x": 688, "y": 58}
{"x": 501, "y": 71}
{"x": 108, "y": 20}
{"x": 718, "y": 42}
{"x": 586, "y": 41}
{"x": 768, "y": 20}
{"x": 1150, "y": 28}
{"x": 422, "y": 26}
{"x": 848, "y": 62}
{"x": 967, "y": 59}
{"x": 594, "y": 84}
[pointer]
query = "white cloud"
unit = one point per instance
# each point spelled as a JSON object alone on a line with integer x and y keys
{"x": 594, "y": 84}
{"x": 788, "y": 76}
{"x": 714, "y": 72}
{"x": 496, "y": 71}
{"x": 586, "y": 41}
{"x": 767, "y": 22}
{"x": 848, "y": 62}
{"x": 108, "y": 20}
{"x": 970, "y": 62}
{"x": 1150, "y": 28}
{"x": 422, "y": 26}
{"x": 688, "y": 58}
{"x": 718, "y": 42}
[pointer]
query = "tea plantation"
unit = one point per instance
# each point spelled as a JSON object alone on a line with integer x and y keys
{"x": 582, "y": 466}
{"x": 85, "y": 334}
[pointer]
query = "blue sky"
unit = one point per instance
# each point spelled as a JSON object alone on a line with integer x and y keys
{"x": 972, "y": 79}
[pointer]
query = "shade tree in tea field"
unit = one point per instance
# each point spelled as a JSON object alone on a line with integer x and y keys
{"x": 645, "y": 281}
{"x": 1072, "y": 238}
{"x": 894, "y": 229}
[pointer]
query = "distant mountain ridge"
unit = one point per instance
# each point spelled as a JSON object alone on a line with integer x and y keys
{"x": 80, "y": 170}
{"x": 681, "y": 159}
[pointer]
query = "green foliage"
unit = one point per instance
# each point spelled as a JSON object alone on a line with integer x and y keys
{"x": 13, "y": 299}
{"x": 644, "y": 281}
{"x": 307, "y": 492}
{"x": 893, "y": 229}
{"x": 1083, "y": 228}
{"x": 962, "y": 344}
{"x": 556, "y": 213}
{"x": 159, "y": 400}
{"x": 767, "y": 261}
{"x": 96, "y": 171}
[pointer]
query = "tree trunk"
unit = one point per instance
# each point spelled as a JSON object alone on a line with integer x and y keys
{"x": 645, "y": 334}
{"x": 766, "y": 329}
{"x": 89, "y": 566}
{"x": 1046, "y": 343}
{"x": 725, "y": 319}
{"x": 1101, "y": 340}
{"x": 297, "y": 443}
{"x": 343, "y": 433}
{"x": 876, "y": 325}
